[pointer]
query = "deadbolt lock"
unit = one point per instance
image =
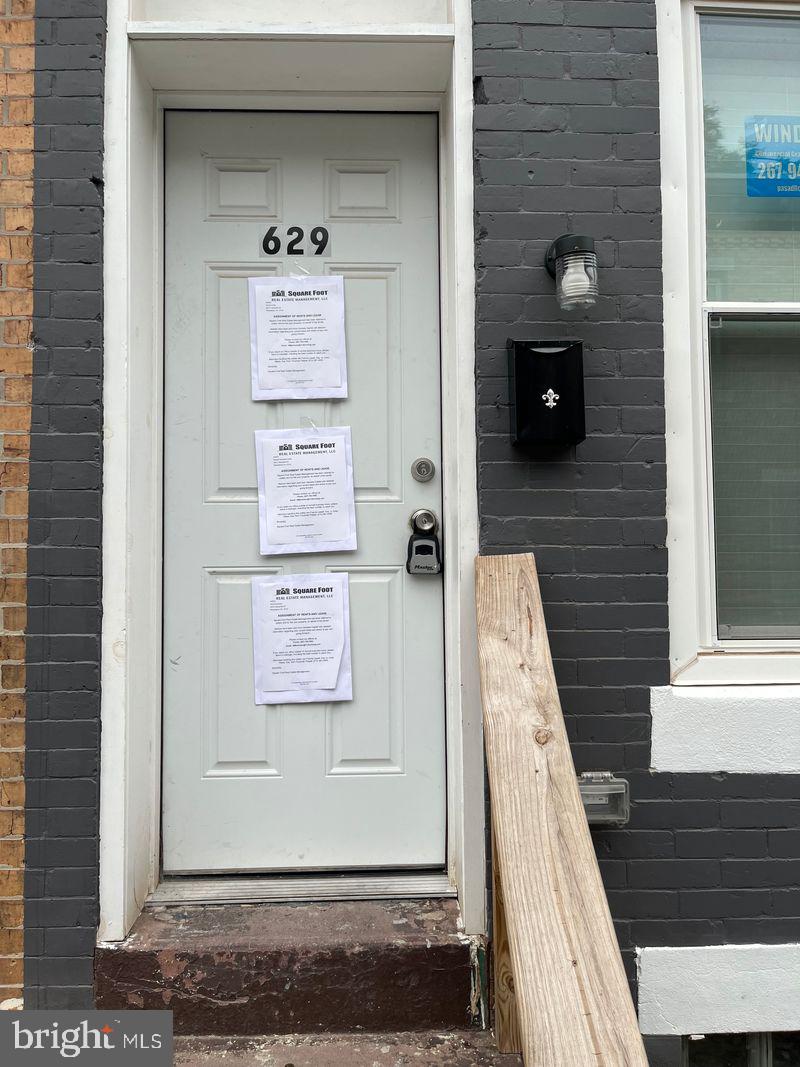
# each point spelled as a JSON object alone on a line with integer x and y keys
{"x": 423, "y": 469}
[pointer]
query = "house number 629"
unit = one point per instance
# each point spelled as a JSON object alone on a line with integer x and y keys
{"x": 294, "y": 239}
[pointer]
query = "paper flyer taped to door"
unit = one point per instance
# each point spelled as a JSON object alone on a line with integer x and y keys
{"x": 301, "y": 638}
{"x": 297, "y": 337}
{"x": 306, "y": 500}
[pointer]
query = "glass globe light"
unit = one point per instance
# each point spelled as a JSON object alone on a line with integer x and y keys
{"x": 572, "y": 261}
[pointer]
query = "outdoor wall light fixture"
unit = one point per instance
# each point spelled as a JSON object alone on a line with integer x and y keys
{"x": 572, "y": 261}
{"x": 545, "y": 377}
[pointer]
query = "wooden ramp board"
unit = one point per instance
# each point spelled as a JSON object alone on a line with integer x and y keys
{"x": 572, "y": 1002}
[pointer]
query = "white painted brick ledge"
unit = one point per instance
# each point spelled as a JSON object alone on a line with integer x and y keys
{"x": 718, "y": 989}
{"x": 752, "y": 729}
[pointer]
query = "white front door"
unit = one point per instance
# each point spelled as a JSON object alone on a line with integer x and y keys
{"x": 358, "y": 784}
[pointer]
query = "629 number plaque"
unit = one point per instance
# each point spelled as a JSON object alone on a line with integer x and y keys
{"x": 296, "y": 241}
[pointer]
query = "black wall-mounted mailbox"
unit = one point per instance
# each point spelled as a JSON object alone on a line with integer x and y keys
{"x": 546, "y": 390}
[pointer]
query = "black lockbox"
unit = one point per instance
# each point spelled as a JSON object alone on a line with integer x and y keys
{"x": 546, "y": 392}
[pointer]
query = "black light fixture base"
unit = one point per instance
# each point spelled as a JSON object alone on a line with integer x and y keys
{"x": 567, "y": 242}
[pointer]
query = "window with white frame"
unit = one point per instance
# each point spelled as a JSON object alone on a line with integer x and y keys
{"x": 735, "y": 541}
{"x": 751, "y": 156}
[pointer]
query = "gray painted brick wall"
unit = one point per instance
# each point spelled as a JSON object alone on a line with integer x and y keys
{"x": 64, "y": 557}
{"x": 566, "y": 140}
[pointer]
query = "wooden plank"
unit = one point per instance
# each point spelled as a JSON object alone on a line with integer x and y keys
{"x": 506, "y": 1024}
{"x": 572, "y": 997}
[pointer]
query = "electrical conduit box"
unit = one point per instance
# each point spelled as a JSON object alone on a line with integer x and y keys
{"x": 546, "y": 392}
{"x": 606, "y": 799}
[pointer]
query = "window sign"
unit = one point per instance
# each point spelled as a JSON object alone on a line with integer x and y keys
{"x": 751, "y": 149}
{"x": 772, "y": 146}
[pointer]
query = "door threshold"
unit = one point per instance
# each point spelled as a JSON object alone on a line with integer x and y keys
{"x": 258, "y": 889}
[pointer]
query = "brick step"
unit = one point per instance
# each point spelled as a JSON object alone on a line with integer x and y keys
{"x": 263, "y": 969}
{"x": 345, "y": 1050}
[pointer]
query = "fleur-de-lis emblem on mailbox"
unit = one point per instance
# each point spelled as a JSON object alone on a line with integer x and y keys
{"x": 550, "y": 398}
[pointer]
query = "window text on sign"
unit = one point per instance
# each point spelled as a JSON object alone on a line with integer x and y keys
{"x": 772, "y": 155}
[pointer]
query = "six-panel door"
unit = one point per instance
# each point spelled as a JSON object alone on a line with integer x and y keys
{"x": 356, "y": 784}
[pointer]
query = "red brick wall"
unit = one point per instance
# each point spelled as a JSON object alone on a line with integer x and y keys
{"x": 16, "y": 307}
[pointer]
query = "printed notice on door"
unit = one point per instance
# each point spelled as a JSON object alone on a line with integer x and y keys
{"x": 301, "y": 638}
{"x": 297, "y": 338}
{"x": 306, "y": 501}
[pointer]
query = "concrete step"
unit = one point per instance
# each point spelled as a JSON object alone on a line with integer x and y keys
{"x": 265, "y": 969}
{"x": 471, "y": 1049}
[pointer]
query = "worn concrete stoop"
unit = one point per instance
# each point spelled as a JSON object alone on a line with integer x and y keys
{"x": 385, "y": 968}
{"x": 455, "y": 1049}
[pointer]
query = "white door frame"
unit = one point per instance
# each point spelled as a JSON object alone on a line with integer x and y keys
{"x": 424, "y": 69}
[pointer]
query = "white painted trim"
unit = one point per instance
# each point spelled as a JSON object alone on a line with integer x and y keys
{"x": 697, "y": 656}
{"x": 114, "y": 677}
{"x": 330, "y": 13}
{"x": 719, "y": 989}
{"x": 753, "y": 667}
{"x": 301, "y": 101}
{"x": 739, "y": 729}
{"x": 312, "y": 63}
{"x": 419, "y": 33}
{"x": 129, "y": 846}
{"x": 466, "y": 782}
{"x": 684, "y": 622}
{"x": 131, "y": 629}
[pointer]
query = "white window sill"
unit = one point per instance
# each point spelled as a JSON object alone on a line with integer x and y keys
{"x": 739, "y": 668}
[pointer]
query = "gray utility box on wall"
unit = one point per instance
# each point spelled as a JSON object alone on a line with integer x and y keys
{"x": 606, "y": 799}
{"x": 546, "y": 392}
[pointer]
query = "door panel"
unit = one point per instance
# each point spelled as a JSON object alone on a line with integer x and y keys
{"x": 348, "y": 785}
